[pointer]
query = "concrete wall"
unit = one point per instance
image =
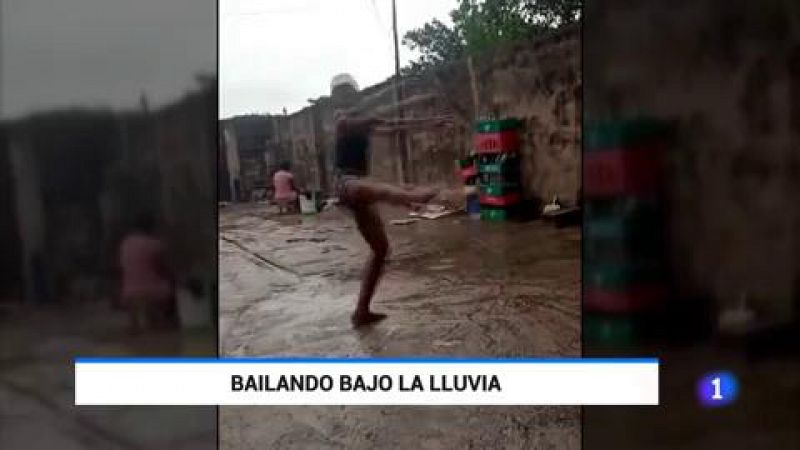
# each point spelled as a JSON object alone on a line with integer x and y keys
{"x": 729, "y": 73}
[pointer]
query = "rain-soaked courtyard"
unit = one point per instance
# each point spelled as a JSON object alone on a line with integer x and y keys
{"x": 453, "y": 286}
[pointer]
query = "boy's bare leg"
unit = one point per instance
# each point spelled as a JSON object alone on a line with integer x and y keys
{"x": 371, "y": 227}
{"x": 370, "y": 192}
{"x": 362, "y": 195}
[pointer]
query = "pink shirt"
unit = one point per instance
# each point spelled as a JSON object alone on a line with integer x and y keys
{"x": 282, "y": 182}
{"x": 142, "y": 273}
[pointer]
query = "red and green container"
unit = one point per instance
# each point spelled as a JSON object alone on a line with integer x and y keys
{"x": 601, "y": 135}
{"x": 499, "y": 189}
{"x": 491, "y": 214}
{"x": 501, "y": 201}
{"x": 497, "y": 145}
{"x": 496, "y": 126}
{"x": 609, "y": 330}
{"x": 633, "y": 299}
{"x": 624, "y": 235}
{"x": 501, "y": 142}
{"x": 623, "y": 171}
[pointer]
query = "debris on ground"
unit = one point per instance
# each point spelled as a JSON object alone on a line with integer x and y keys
{"x": 737, "y": 319}
{"x": 328, "y": 203}
{"x": 432, "y": 212}
{"x": 552, "y": 207}
{"x": 445, "y": 343}
{"x": 564, "y": 217}
{"x": 312, "y": 239}
{"x": 404, "y": 221}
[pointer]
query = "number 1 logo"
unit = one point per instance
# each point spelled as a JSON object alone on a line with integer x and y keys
{"x": 717, "y": 393}
{"x": 717, "y": 389}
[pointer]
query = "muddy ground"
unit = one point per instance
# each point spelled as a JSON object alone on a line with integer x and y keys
{"x": 37, "y": 382}
{"x": 454, "y": 286}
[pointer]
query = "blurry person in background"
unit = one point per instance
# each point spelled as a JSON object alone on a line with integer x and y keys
{"x": 148, "y": 284}
{"x": 286, "y": 194}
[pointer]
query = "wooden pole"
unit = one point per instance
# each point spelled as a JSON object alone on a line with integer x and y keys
{"x": 401, "y": 142}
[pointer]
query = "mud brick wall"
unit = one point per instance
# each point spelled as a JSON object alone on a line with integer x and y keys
{"x": 729, "y": 73}
{"x": 10, "y": 270}
{"x": 95, "y": 170}
{"x": 432, "y": 151}
{"x": 537, "y": 81}
{"x": 304, "y": 154}
{"x": 186, "y": 143}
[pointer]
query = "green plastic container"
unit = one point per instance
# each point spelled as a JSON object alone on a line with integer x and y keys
{"x": 499, "y": 189}
{"x": 620, "y": 276}
{"x": 622, "y": 218}
{"x": 621, "y": 206}
{"x": 493, "y": 214}
{"x": 499, "y": 178}
{"x": 507, "y": 170}
{"x": 622, "y": 227}
{"x": 609, "y": 330}
{"x": 490, "y": 168}
{"x": 615, "y": 242}
{"x": 463, "y": 163}
{"x": 626, "y": 250}
{"x": 496, "y": 126}
{"x": 609, "y": 135}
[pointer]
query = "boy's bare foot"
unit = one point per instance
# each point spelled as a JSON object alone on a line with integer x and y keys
{"x": 363, "y": 319}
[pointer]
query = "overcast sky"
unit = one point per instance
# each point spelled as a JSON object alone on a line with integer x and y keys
{"x": 102, "y": 52}
{"x": 280, "y": 53}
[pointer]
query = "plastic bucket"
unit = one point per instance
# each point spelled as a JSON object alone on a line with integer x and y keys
{"x": 308, "y": 205}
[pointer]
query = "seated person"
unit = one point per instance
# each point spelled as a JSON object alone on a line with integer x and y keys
{"x": 286, "y": 194}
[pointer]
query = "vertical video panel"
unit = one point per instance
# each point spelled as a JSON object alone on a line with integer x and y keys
{"x": 691, "y": 221}
{"x": 450, "y": 169}
{"x": 107, "y": 211}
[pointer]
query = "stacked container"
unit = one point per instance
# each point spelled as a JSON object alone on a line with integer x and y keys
{"x": 623, "y": 262}
{"x": 497, "y": 145}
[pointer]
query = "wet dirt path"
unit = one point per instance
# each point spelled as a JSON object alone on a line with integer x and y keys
{"x": 453, "y": 287}
{"x": 38, "y": 344}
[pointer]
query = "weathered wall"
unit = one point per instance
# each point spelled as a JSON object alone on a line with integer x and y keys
{"x": 59, "y": 162}
{"x": 10, "y": 269}
{"x": 279, "y": 147}
{"x": 536, "y": 80}
{"x": 729, "y": 73}
{"x": 186, "y": 144}
{"x": 304, "y": 150}
{"x": 81, "y": 176}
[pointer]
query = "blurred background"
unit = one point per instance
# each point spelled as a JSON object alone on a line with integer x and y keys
{"x": 691, "y": 229}
{"x": 107, "y": 211}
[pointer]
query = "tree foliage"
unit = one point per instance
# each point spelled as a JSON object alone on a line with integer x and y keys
{"x": 553, "y": 13}
{"x": 481, "y": 24}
